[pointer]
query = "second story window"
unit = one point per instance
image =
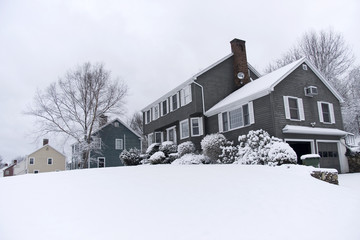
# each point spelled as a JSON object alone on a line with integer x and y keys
{"x": 31, "y": 161}
{"x": 326, "y": 112}
{"x": 174, "y": 102}
{"x": 97, "y": 143}
{"x": 148, "y": 116}
{"x": 164, "y": 107}
{"x": 185, "y": 95}
{"x": 156, "y": 112}
{"x": 294, "y": 109}
{"x": 50, "y": 161}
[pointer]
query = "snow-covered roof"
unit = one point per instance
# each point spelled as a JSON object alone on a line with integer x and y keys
{"x": 119, "y": 120}
{"x": 192, "y": 79}
{"x": 46, "y": 145}
{"x": 263, "y": 86}
{"x": 314, "y": 130}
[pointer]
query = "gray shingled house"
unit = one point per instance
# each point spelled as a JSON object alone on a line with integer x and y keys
{"x": 294, "y": 103}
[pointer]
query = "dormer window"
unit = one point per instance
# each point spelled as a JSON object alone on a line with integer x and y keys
{"x": 311, "y": 91}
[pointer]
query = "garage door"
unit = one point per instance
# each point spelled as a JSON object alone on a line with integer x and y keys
{"x": 329, "y": 155}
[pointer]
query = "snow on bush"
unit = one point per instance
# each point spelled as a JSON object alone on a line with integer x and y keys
{"x": 229, "y": 153}
{"x": 211, "y": 146}
{"x": 185, "y": 147}
{"x": 281, "y": 153}
{"x": 168, "y": 147}
{"x": 258, "y": 147}
{"x": 157, "y": 158}
{"x": 189, "y": 159}
{"x": 131, "y": 157}
{"x": 152, "y": 148}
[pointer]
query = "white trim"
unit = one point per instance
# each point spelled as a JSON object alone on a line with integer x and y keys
{"x": 344, "y": 167}
{"x": 180, "y": 128}
{"x": 167, "y": 134}
{"x": 314, "y": 130}
{"x": 121, "y": 144}
{"x": 220, "y": 122}
{"x": 312, "y": 142}
{"x": 52, "y": 161}
{"x": 161, "y": 137}
{"x": 300, "y": 108}
{"x": 321, "y": 114}
{"x": 251, "y": 113}
{"x": 154, "y": 117}
{"x": 33, "y": 160}
{"x": 286, "y": 106}
{"x": 200, "y": 122}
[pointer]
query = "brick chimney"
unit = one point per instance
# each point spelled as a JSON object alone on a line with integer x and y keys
{"x": 45, "y": 141}
{"x": 241, "y": 72}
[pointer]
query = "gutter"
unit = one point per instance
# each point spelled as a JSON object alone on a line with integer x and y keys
{"x": 202, "y": 94}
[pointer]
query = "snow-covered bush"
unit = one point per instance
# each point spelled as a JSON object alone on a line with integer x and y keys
{"x": 153, "y": 148}
{"x": 211, "y": 146}
{"x": 185, "y": 147}
{"x": 258, "y": 147}
{"x": 157, "y": 158}
{"x": 190, "y": 158}
{"x": 131, "y": 157}
{"x": 229, "y": 153}
{"x": 281, "y": 153}
{"x": 168, "y": 147}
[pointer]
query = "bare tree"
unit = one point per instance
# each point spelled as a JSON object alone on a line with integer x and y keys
{"x": 73, "y": 106}
{"x": 136, "y": 123}
{"x": 351, "y": 107}
{"x": 1, "y": 161}
{"x": 327, "y": 50}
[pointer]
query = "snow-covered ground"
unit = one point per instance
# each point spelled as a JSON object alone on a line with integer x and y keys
{"x": 180, "y": 202}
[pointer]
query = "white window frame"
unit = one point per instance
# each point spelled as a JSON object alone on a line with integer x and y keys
{"x": 156, "y": 112}
{"x": 162, "y": 107}
{"x": 304, "y": 67}
{"x": 161, "y": 137}
{"x": 147, "y": 117}
{"x": 97, "y": 143}
{"x": 150, "y": 138}
{"x": 116, "y": 124}
{"x": 168, "y": 131}
{"x": 177, "y": 102}
{"x": 221, "y": 123}
{"x": 300, "y": 107}
{"x": 331, "y": 112}
{"x": 186, "y": 95}
{"x": 51, "y": 161}
{"x": 117, "y": 142}
{"x": 200, "y": 122}
{"x": 181, "y": 129}
{"x": 33, "y": 161}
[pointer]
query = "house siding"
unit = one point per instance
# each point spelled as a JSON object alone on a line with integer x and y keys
{"x": 108, "y": 134}
{"x": 293, "y": 85}
{"x": 41, "y": 156}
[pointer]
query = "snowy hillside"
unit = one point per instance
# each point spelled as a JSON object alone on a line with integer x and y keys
{"x": 168, "y": 202}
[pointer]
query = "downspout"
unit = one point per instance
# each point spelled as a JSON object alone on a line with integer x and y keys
{"x": 202, "y": 94}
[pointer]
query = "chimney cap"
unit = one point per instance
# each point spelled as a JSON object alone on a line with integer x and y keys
{"x": 45, "y": 141}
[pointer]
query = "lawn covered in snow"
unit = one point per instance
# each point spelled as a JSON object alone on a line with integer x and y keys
{"x": 166, "y": 202}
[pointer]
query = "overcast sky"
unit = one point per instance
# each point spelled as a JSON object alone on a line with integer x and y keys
{"x": 152, "y": 45}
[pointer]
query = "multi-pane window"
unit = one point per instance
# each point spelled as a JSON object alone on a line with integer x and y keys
{"x": 171, "y": 134}
{"x": 158, "y": 137}
{"x": 294, "y": 109}
{"x": 196, "y": 126}
{"x": 50, "y": 161}
{"x": 174, "y": 102}
{"x": 237, "y": 118}
{"x": 185, "y": 95}
{"x": 184, "y": 129}
{"x": 97, "y": 143}
{"x": 156, "y": 112}
{"x": 326, "y": 112}
{"x": 164, "y": 107}
{"x": 119, "y": 144}
{"x": 31, "y": 161}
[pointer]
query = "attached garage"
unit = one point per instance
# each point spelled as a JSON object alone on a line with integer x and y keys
{"x": 329, "y": 154}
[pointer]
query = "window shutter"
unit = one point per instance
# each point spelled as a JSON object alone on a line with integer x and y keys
{"x": 190, "y": 92}
{"x": 161, "y": 109}
{"x": 171, "y": 104}
{"x": 201, "y": 128}
{"x": 251, "y": 113}
{"x": 286, "y": 106}
{"x": 321, "y": 118}
{"x": 182, "y": 97}
{"x": 332, "y": 115}
{"x": 220, "y": 122}
{"x": 178, "y": 99}
{"x": 301, "y": 109}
